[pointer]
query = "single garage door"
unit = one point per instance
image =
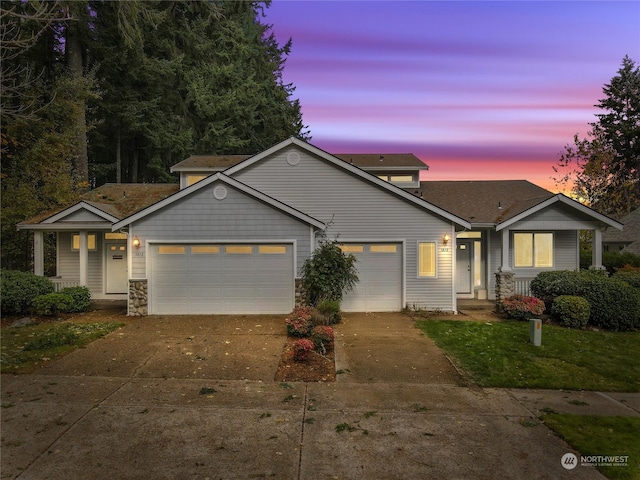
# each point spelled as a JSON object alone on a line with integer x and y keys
{"x": 221, "y": 278}
{"x": 379, "y": 288}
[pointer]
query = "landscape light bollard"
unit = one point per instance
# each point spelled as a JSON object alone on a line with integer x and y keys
{"x": 535, "y": 331}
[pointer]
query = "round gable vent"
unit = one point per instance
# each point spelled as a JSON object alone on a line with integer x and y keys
{"x": 220, "y": 192}
{"x": 293, "y": 158}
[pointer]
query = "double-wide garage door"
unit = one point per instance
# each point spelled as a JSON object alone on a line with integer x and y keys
{"x": 379, "y": 288}
{"x": 221, "y": 278}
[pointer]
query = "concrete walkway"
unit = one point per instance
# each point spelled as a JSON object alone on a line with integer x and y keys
{"x": 419, "y": 422}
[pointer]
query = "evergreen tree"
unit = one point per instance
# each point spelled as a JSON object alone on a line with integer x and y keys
{"x": 605, "y": 167}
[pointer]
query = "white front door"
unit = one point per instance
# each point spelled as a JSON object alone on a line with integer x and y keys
{"x": 464, "y": 266}
{"x": 117, "y": 278}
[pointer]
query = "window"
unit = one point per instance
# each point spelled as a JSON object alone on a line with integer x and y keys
{"x": 200, "y": 249}
{"x": 533, "y": 250}
{"x": 383, "y": 248}
{"x": 272, "y": 249}
{"x": 191, "y": 179}
{"x": 171, "y": 250}
{"x": 91, "y": 242}
{"x": 241, "y": 249}
{"x": 426, "y": 259}
{"x": 401, "y": 178}
{"x": 352, "y": 248}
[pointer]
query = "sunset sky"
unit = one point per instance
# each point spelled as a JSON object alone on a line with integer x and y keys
{"x": 478, "y": 90}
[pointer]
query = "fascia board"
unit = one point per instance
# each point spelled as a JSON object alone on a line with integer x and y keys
{"x": 56, "y": 227}
{"x": 565, "y": 200}
{"x": 80, "y": 206}
{"x": 353, "y": 169}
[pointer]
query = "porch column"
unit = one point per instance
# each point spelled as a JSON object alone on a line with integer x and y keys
{"x": 505, "y": 251}
{"x": 596, "y": 249}
{"x": 84, "y": 258}
{"x": 38, "y": 253}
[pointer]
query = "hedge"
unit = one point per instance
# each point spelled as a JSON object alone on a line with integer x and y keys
{"x": 614, "y": 304}
{"x": 20, "y": 288}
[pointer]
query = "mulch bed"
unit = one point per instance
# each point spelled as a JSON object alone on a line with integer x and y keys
{"x": 317, "y": 367}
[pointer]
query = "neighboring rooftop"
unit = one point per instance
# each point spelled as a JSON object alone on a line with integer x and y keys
{"x": 630, "y": 233}
{"x": 482, "y": 202}
{"x": 376, "y": 161}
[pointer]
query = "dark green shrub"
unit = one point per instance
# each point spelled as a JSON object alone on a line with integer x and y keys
{"x": 571, "y": 311}
{"x": 616, "y": 260}
{"x": 523, "y": 308}
{"x": 20, "y": 288}
{"x": 631, "y": 276}
{"x": 614, "y": 304}
{"x": 326, "y": 312}
{"x": 328, "y": 273}
{"x": 81, "y": 298}
{"x": 52, "y": 304}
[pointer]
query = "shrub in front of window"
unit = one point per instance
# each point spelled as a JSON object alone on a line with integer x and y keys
{"x": 301, "y": 349}
{"x": 20, "y": 288}
{"x": 523, "y": 308}
{"x": 52, "y": 304}
{"x": 571, "y": 311}
{"x": 299, "y": 323}
{"x": 81, "y": 298}
{"x": 322, "y": 338}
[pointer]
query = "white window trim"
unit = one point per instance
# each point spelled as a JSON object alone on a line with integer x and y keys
{"x": 533, "y": 250}
{"x": 435, "y": 253}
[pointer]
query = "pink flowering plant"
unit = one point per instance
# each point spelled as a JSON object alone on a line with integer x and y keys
{"x": 322, "y": 337}
{"x": 299, "y": 323}
{"x": 301, "y": 349}
{"x": 523, "y": 308}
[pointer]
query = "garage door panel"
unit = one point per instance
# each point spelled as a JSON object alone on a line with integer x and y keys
{"x": 222, "y": 279}
{"x": 379, "y": 287}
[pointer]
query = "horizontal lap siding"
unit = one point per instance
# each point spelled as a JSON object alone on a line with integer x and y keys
{"x": 358, "y": 211}
{"x": 69, "y": 261}
{"x": 201, "y": 217}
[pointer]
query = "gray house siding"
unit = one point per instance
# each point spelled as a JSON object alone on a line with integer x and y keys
{"x": 200, "y": 217}
{"x": 359, "y": 211}
{"x": 69, "y": 261}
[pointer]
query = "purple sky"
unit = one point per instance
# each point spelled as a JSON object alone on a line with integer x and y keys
{"x": 478, "y": 90}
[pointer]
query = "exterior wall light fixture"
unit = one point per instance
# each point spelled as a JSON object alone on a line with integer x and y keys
{"x": 445, "y": 239}
{"x": 136, "y": 242}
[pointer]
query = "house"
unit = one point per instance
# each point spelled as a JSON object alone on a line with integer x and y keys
{"x": 614, "y": 240}
{"x": 233, "y": 235}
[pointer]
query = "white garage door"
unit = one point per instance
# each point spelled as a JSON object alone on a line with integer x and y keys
{"x": 379, "y": 288}
{"x": 225, "y": 278}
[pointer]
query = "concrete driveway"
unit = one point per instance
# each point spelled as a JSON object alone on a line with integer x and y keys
{"x": 194, "y": 397}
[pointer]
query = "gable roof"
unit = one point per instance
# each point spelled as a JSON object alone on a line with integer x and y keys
{"x": 498, "y": 203}
{"x": 371, "y": 161}
{"x": 352, "y": 168}
{"x": 229, "y": 181}
{"x": 111, "y": 202}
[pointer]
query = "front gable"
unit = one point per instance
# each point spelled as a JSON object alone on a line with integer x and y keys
{"x": 328, "y": 187}
{"x": 81, "y": 215}
{"x": 558, "y": 213}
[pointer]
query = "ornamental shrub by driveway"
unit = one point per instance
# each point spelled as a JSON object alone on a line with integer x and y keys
{"x": 20, "y": 288}
{"x": 523, "y": 308}
{"x": 571, "y": 311}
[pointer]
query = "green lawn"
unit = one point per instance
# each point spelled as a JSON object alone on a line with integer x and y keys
{"x": 604, "y": 436}
{"x": 25, "y": 348}
{"x": 500, "y": 355}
